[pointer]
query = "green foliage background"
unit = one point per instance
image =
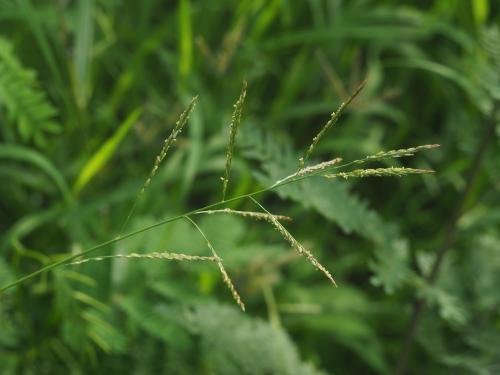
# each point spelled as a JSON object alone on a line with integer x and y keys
{"x": 90, "y": 88}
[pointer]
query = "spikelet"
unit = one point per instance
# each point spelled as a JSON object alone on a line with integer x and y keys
{"x": 225, "y": 277}
{"x": 296, "y": 244}
{"x": 378, "y": 172}
{"x": 313, "y": 169}
{"x": 233, "y": 130}
{"x": 154, "y": 255}
{"x": 331, "y": 122}
{"x": 169, "y": 141}
{"x": 250, "y": 214}
{"x": 395, "y": 153}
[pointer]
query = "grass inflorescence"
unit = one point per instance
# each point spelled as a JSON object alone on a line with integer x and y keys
{"x": 378, "y": 172}
{"x": 225, "y": 277}
{"x": 324, "y": 169}
{"x": 167, "y": 143}
{"x": 296, "y": 245}
{"x": 233, "y": 131}
{"x": 154, "y": 255}
{"x": 249, "y": 214}
{"x": 334, "y": 117}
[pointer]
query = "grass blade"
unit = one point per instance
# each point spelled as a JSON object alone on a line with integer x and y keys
{"x": 105, "y": 152}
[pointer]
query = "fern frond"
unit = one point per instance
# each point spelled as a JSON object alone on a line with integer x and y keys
{"x": 26, "y": 103}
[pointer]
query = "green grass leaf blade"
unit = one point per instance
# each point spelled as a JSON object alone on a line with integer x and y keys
{"x": 105, "y": 152}
{"x": 83, "y": 52}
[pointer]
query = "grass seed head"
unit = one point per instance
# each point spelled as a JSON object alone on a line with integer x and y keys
{"x": 334, "y": 117}
{"x": 233, "y": 130}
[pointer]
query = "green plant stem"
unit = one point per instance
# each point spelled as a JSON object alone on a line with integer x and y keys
{"x": 448, "y": 240}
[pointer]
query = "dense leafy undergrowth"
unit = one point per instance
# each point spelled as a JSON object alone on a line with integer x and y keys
{"x": 86, "y": 101}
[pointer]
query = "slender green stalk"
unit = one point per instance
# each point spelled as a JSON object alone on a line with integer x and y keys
{"x": 92, "y": 249}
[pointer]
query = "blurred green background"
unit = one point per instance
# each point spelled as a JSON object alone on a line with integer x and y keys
{"x": 90, "y": 88}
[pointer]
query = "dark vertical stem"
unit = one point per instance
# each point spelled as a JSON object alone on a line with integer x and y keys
{"x": 448, "y": 239}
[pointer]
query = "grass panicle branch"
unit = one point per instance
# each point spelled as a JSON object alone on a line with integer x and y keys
{"x": 167, "y": 143}
{"x": 225, "y": 276}
{"x": 154, "y": 255}
{"x": 296, "y": 244}
{"x": 249, "y": 214}
{"x": 403, "y": 152}
{"x": 330, "y": 123}
{"x": 378, "y": 172}
{"x": 382, "y": 155}
{"x": 233, "y": 130}
{"x": 311, "y": 170}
